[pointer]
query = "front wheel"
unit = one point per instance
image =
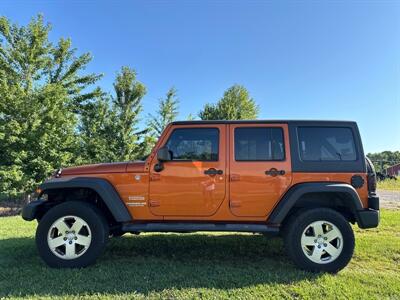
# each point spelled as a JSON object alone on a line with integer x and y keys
{"x": 72, "y": 235}
{"x": 319, "y": 239}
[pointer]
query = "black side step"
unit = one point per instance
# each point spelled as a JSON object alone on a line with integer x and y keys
{"x": 190, "y": 227}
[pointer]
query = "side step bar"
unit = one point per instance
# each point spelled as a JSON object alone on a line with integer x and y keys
{"x": 190, "y": 227}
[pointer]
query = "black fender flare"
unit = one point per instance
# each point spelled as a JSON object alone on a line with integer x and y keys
{"x": 101, "y": 186}
{"x": 289, "y": 200}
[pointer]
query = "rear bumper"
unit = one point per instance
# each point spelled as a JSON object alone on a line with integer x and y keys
{"x": 31, "y": 210}
{"x": 369, "y": 218}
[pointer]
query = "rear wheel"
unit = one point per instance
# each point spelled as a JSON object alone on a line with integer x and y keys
{"x": 319, "y": 239}
{"x": 72, "y": 234}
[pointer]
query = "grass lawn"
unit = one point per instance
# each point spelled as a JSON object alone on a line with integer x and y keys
{"x": 200, "y": 265}
{"x": 389, "y": 184}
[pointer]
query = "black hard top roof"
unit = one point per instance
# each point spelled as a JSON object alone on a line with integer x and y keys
{"x": 297, "y": 122}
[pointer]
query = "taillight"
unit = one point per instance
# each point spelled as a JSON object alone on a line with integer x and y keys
{"x": 372, "y": 183}
{"x": 371, "y": 175}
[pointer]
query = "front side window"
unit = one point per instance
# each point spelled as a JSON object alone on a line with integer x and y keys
{"x": 194, "y": 144}
{"x": 326, "y": 144}
{"x": 259, "y": 144}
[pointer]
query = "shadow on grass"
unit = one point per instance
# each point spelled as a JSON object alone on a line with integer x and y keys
{"x": 152, "y": 263}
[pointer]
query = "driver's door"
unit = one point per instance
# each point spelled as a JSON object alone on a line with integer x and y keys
{"x": 193, "y": 183}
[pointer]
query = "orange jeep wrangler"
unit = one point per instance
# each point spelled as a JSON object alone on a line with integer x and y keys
{"x": 305, "y": 180}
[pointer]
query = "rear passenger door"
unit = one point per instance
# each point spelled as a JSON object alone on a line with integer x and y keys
{"x": 260, "y": 168}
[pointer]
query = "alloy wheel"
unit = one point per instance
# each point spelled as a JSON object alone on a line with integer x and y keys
{"x": 322, "y": 242}
{"x": 69, "y": 237}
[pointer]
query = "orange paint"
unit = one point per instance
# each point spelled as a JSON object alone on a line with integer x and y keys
{"x": 181, "y": 191}
{"x": 252, "y": 192}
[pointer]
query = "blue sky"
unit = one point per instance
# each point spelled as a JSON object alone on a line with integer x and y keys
{"x": 299, "y": 60}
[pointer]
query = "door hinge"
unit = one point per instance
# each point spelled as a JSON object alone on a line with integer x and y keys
{"x": 154, "y": 177}
{"x": 154, "y": 203}
{"x": 235, "y": 204}
{"x": 235, "y": 177}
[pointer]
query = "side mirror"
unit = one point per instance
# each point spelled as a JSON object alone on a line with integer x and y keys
{"x": 163, "y": 154}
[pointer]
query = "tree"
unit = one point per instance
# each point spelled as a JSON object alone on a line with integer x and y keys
{"x": 40, "y": 88}
{"x": 96, "y": 131}
{"x": 385, "y": 159}
{"x": 109, "y": 124}
{"x": 235, "y": 104}
{"x": 166, "y": 113}
{"x": 126, "y": 108}
{"x": 190, "y": 117}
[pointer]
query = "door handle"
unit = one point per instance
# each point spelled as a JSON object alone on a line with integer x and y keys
{"x": 213, "y": 172}
{"x": 275, "y": 172}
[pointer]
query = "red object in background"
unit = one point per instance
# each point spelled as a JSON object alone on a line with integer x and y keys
{"x": 393, "y": 170}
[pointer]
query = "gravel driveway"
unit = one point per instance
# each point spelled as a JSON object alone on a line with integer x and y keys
{"x": 389, "y": 199}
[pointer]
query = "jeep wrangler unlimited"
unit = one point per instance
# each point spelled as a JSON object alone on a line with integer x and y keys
{"x": 305, "y": 180}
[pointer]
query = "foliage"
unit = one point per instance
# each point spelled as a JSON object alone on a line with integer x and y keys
{"x": 109, "y": 124}
{"x": 385, "y": 159}
{"x": 41, "y": 89}
{"x": 125, "y": 115}
{"x": 95, "y": 131}
{"x": 190, "y": 117}
{"x": 166, "y": 113}
{"x": 200, "y": 265}
{"x": 236, "y": 104}
{"x": 52, "y": 116}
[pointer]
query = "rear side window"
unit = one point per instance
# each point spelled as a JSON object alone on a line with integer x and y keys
{"x": 194, "y": 144}
{"x": 259, "y": 144}
{"x": 326, "y": 144}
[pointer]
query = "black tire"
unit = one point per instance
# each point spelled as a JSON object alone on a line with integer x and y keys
{"x": 300, "y": 221}
{"x": 88, "y": 213}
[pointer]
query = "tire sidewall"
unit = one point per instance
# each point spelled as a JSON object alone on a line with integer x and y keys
{"x": 295, "y": 232}
{"x": 91, "y": 215}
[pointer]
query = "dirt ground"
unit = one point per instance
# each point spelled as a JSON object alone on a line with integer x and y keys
{"x": 388, "y": 200}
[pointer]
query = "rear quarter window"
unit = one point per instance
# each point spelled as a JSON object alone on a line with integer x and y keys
{"x": 326, "y": 144}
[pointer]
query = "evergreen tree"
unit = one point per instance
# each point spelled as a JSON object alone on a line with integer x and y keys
{"x": 124, "y": 120}
{"x": 96, "y": 131}
{"x": 166, "y": 113}
{"x": 235, "y": 104}
{"x": 190, "y": 117}
{"x": 109, "y": 124}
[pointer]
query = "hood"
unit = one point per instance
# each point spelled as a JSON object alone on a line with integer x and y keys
{"x": 96, "y": 169}
{"x": 135, "y": 166}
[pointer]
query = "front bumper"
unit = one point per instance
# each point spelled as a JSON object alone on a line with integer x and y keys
{"x": 33, "y": 209}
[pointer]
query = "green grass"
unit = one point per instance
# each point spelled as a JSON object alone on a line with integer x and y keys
{"x": 200, "y": 265}
{"x": 389, "y": 184}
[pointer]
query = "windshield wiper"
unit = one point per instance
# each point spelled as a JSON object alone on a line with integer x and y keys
{"x": 340, "y": 155}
